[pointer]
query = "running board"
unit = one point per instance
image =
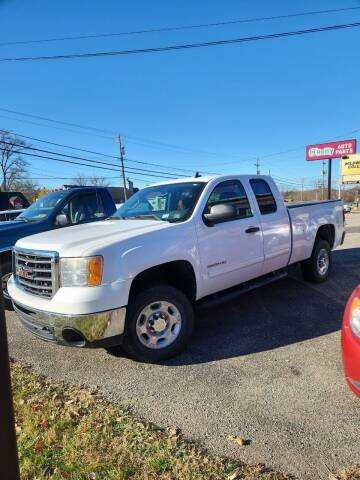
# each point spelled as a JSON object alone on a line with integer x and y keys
{"x": 234, "y": 292}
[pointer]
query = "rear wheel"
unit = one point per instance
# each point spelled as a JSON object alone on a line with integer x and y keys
{"x": 6, "y": 272}
{"x": 159, "y": 322}
{"x": 317, "y": 268}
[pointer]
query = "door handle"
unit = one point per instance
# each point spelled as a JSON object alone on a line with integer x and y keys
{"x": 252, "y": 230}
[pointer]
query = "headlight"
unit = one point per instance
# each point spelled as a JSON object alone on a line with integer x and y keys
{"x": 355, "y": 316}
{"x": 81, "y": 272}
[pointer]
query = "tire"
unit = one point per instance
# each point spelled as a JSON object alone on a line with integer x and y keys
{"x": 317, "y": 268}
{"x": 159, "y": 322}
{"x": 6, "y": 270}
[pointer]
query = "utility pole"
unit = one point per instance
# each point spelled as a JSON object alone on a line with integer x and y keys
{"x": 122, "y": 155}
{"x": 9, "y": 463}
{"x": 302, "y": 189}
{"x": 329, "y": 178}
{"x": 257, "y": 165}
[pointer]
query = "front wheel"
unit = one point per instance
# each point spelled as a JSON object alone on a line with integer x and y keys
{"x": 159, "y": 322}
{"x": 317, "y": 268}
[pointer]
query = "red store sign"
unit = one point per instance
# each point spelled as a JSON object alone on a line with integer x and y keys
{"x": 322, "y": 151}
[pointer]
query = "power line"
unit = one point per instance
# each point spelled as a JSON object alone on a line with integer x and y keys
{"x": 187, "y": 46}
{"x": 112, "y": 134}
{"x": 86, "y": 159}
{"x": 86, "y": 165}
{"x": 177, "y": 28}
{"x": 249, "y": 159}
{"x": 103, "y": 154}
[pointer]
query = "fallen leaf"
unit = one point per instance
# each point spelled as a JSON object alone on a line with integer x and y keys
{"x": 44, "y": 424}
{"x": 238, "y": 440}
{"x": 173, "y": 431}
{"x": 38, "y": 446}
{"x": 235, "y": 475}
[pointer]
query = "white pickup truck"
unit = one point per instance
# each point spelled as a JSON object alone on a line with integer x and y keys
{"x": 134, "y": 279}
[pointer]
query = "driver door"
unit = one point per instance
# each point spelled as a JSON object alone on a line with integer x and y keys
{"x": 231, "y": 251}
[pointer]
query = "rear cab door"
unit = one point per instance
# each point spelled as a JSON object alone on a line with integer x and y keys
{"x": 231, "y": 251}
{"x": 274, "y": 220}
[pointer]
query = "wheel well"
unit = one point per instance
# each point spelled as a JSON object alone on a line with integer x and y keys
{"x": 179, "y": 274}
{"x": 326, "y": 232}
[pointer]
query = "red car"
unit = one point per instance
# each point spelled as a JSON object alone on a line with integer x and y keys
{"x": 350, "y": 341}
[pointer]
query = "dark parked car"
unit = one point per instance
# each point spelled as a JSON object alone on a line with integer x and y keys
{"x": 54, "y": 210}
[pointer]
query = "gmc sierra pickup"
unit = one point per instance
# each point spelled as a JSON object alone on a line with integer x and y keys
{"x": 54, "y": 210}
{"x": 134, "y": 279}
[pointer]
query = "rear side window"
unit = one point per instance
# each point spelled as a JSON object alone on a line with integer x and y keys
{"x": 264, "y": 196}
{"x": 230, "y": 191}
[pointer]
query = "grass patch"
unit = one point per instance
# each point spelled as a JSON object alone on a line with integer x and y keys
{"x": 72, "y": 433}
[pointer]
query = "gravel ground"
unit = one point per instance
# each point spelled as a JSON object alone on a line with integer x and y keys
{"x": 266, "y": 366}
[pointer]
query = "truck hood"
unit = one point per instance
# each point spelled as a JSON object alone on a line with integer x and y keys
{"x": 12, "y": 230}
{"x": 11, "y": 224}
{"x": 86, "y": 239}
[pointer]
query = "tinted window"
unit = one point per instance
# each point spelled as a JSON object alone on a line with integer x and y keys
{"x": 84, "y": 208}
{"x": 264, "y": 196}
{"x": 232, "y": 192}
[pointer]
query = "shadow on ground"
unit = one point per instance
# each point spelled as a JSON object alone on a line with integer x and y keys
{"x": 279, "y": 314}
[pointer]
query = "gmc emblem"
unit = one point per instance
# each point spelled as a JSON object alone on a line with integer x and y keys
{"x": 23, "y": 271}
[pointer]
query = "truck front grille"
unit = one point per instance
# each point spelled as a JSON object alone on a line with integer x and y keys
{"x": 37, "y": 272}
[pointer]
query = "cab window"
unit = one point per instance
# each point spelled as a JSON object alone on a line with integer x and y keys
{"x": 264, "y": 196}
{"x": 84, "y": 208}
{"x": 233, "y": 192}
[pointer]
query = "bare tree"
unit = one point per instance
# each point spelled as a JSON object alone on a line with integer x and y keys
{"x": 12, "y": 165}
{"x": 29, "y": 188}
{"x": 94, "y": 180}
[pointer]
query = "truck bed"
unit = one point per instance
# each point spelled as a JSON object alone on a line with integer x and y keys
{"x": 305, "y": 220}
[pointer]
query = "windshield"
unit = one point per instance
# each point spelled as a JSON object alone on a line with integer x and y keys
{"x": 172, "y": 203}
{"x": 43, "y": 207}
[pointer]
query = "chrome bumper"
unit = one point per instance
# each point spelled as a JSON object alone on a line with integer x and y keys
{"x": 91, "y": 330}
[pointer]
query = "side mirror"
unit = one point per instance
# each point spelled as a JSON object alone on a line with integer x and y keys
{"x": 219, "y": 213}
{"x": 61, "y": 220}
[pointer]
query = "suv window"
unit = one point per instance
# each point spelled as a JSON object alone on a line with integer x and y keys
{"x": 84, "y": 208}
{"x": 264, "y": 196}
{"x": 230, "y": 191}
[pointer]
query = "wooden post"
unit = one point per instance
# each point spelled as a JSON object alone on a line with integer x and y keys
{"x": 9, "y": 462}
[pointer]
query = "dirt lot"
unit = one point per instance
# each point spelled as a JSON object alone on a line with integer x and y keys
{"x": 266, "y": 366}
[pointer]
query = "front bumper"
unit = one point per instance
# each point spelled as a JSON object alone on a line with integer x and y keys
{"x": 101, "y": 329}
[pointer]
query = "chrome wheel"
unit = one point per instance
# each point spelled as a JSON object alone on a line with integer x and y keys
{"x": 158, "y": 324}
{"x": 323, "y": 262}
{"x": 4, "y": 280}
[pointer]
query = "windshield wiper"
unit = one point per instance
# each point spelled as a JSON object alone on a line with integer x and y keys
{"x": 143, "y": 217}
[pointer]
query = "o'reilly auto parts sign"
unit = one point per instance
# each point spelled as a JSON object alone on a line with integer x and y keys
{"x": 322, "y": 151}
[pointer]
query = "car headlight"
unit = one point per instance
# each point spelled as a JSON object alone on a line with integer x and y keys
{"x": 354, "y": 319}
{"x": 81, "y": 272}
